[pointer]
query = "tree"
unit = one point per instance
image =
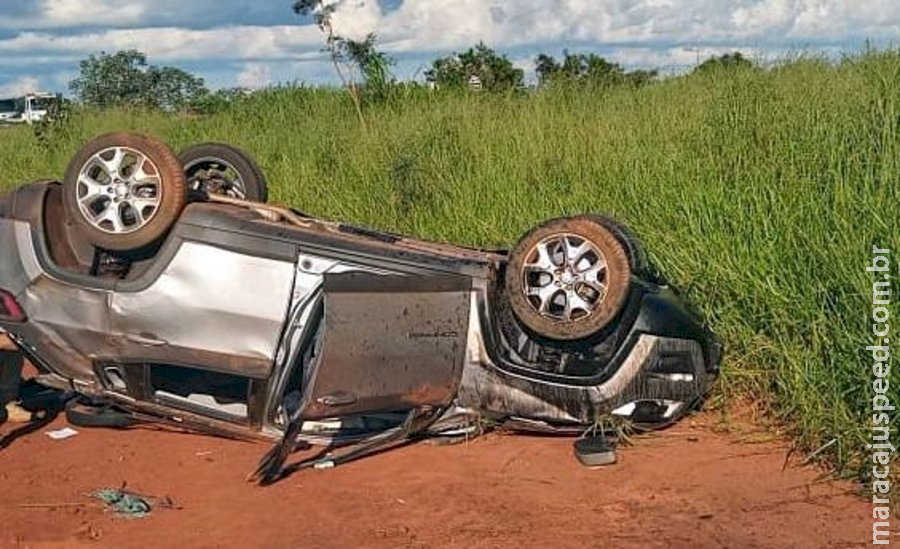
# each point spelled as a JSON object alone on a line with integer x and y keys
{"x": 728, "y": 61}
{"x": 494, "y": 72}
{"x": 373, "y": 65}
{"x": 335, "y": 45}
{"x": 350, "y": 57}
{"x": 111, "y": 79}
{"x": 546, "y": 67}
{"x": 588, "y": 68}
{"x": 172, "y": 89}
{"x": 125, "y": 79}
{"x": 640, "y": 78}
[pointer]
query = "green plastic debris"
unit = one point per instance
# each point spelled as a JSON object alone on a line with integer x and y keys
{"x": 124, "y": 503}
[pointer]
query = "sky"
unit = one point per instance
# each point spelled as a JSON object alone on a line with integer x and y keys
{"x": 255, "y": 43}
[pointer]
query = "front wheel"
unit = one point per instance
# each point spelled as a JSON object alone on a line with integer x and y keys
{"x": 568, "y": 278}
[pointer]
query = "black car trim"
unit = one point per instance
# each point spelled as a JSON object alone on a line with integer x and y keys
{"x": 649, "y": 304}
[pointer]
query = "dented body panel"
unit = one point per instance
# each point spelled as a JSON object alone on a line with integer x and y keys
{"x": 247, "y": 300}
{"x": 351, "y": 321}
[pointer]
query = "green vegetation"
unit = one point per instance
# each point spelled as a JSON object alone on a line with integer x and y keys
{"x": 728, "y": 61}
{"x": 759, "y": 192}
{"x": 591, "y": 69}
{"x": 124, "y": 79}
{"x": 494, "y": 72}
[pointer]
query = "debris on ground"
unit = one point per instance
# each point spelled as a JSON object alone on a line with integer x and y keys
{"x": 62, "y": 434}
{"x": 16, "y": 414}
{"x": 124, "y": 503}
{"x": 594, "y": 451}
{"x": 131, "y": 504}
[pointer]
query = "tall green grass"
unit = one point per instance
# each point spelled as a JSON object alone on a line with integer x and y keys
{"x": 759, "y": 193}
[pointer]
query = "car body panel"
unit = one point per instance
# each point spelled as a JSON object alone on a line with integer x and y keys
{"x": 15, "y": 276}
{"x": 231, "y": 321}
{"x": 390, "y": 343}
{"x": 66, "y": 315}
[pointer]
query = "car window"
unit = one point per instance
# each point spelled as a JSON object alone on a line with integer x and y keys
{"x": 8, "y": 105}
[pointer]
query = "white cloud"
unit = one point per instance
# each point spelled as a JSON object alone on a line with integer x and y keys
{"x": 636, "y": 33}
{"x": 72, "y": 13}
{"x": 678, "y": 59}
{"x": 442, "y": 24}
{"x": 20, "y": 86}
{"x": 93, "y": 12}
{"x": 439, "y": 24}
{"x": 255, "y": 76}
{"x": 171, "y": 43}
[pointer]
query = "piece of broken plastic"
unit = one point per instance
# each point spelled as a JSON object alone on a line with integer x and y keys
{"x": 62, "y": 434}
{"x": 124, "y": 503}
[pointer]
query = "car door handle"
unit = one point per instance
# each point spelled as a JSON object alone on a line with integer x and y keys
{"x": 147, "y": 340}
{"x": 340, "y": 398}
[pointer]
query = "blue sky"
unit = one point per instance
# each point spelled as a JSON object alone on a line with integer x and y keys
{"x": 255, "y": 43}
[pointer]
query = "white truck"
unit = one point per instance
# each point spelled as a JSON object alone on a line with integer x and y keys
{"x": 27, "y": 109}
{"x": 8, "y": 110}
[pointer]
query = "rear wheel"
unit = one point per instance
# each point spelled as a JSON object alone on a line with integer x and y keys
{"x": 124, "y": 191}
{"x": 568, "y": 278}
{"x": 217, "y": 168}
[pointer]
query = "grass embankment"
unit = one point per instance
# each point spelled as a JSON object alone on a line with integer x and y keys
{"x": 760, "y": 193}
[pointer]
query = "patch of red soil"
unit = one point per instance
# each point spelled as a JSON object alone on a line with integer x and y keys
{"x": 689, "y": 486}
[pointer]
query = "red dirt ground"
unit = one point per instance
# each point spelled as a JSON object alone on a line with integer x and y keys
{"x": 690, "y": 486}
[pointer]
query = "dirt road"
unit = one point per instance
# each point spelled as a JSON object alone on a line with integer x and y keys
{"x": 690, "y": 486}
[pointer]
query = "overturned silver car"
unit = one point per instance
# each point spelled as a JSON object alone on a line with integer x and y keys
{"x": 144, "y": 296}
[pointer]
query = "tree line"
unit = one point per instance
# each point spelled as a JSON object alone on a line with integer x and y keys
{"x": 125, "y": 78}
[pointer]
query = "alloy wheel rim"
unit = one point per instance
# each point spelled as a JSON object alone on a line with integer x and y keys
{"x": 119, "y": 190}
{"x": 565, "y": 277}
{"x": 216, "y": 176}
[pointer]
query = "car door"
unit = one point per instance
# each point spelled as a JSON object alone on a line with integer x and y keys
{"x": 209, "y": 307}
{"x": 389, "y": 343}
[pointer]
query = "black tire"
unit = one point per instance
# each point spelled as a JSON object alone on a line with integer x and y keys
{"x": 569, "y": 280}
{"x": 217, "y": 168}
{"x": 121, "y": 193}
{"x": 88, "y": 416}
{"x": 637, "y": 258}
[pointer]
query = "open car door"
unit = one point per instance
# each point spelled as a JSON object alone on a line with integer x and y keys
{"x": 390, "y": 343}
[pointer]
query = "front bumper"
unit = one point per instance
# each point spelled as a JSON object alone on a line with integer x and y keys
{"x": 666, "y": 364}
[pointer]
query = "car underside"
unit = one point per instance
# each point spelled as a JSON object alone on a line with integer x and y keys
{"x": 250, "y": 320}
